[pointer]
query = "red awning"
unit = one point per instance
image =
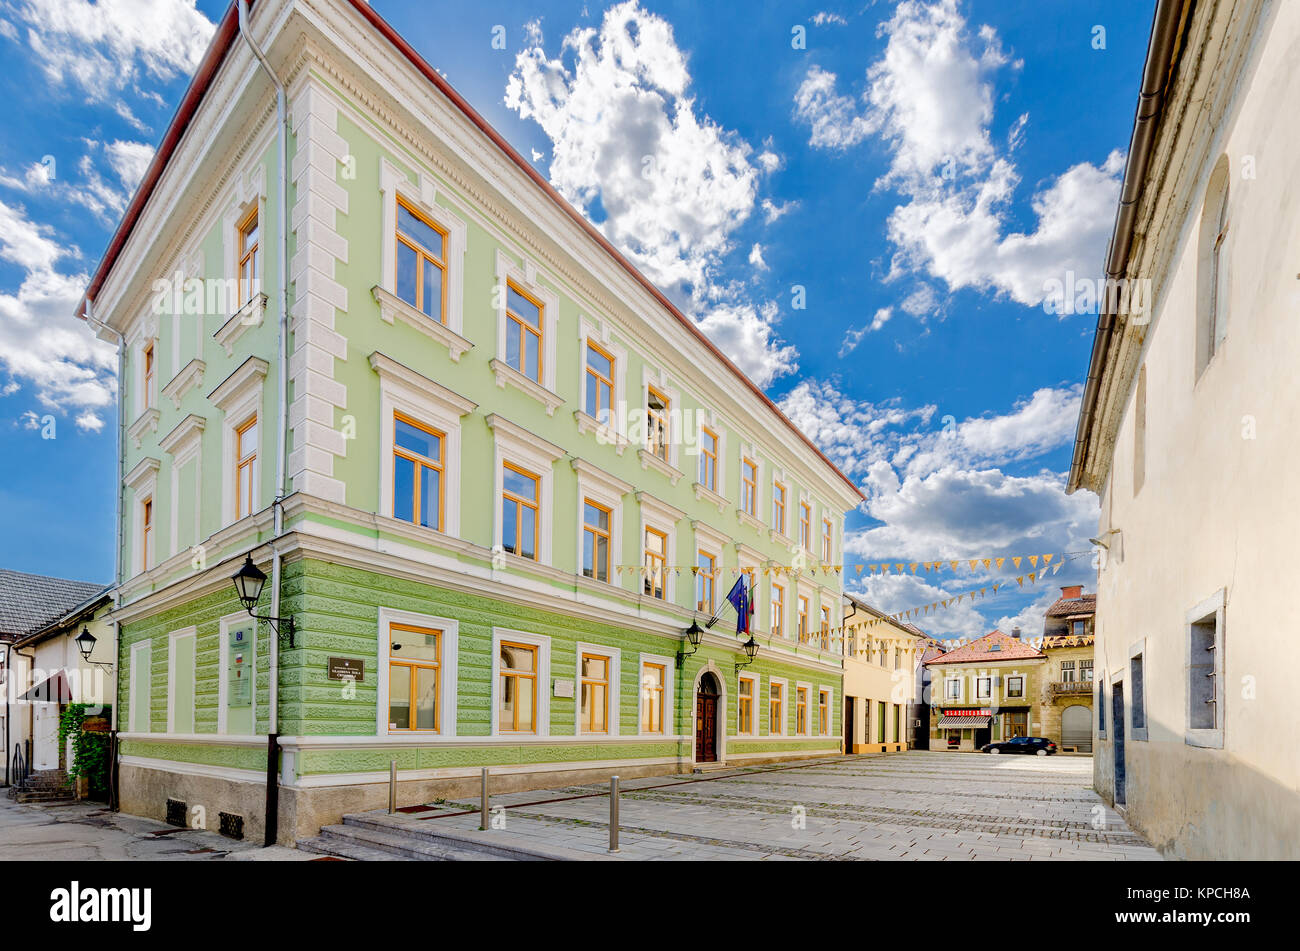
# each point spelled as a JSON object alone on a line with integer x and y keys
{"x": 963, "y": 723}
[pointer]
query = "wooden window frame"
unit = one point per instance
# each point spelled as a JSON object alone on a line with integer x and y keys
{"x": 598, "y": 533}
{"x": 779, "y": 493}
{"x": 749, "y": 486}
{"x": 655, "y": 562}
{"x": 584, "y": 718}
{"x": 778, "y": 610}
{"x": 823, "y": 712}
{"x": 658, "y": 423}
{"x": 801, "y": 711}
{"x": 526, "y": 328}
{"x": 647, "y": 692}
{"x": 805, "y": 526}
{"x": 421, "y": 255}
{"x": 745, "y": 706}
{"x": 709, "y": 460}
{"x": 421, "y": 462}
{"x": 150, "y": 371}
{"x": 414, "y": 665}
{"x": 803, "y": 606}
{"x": 532, "y": 505}
{"x": 531, "y": 676}
{"x": 146, "y": 533}
{"x": 596, "y": 379}
{"x": 775, "y": 709}
{"x": 248, "y": 254}
{"x": 827, "y": 533}
{"x": 242, "y": 462}
{"x": 708, "y": 579}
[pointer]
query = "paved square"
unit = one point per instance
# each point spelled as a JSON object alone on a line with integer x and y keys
{"x": 914, "y": 805}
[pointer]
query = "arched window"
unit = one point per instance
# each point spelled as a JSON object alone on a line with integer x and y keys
{"x": 1212, "y": 268}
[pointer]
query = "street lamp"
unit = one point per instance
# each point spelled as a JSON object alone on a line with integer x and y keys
{"x": 85, "y": 642}
{"x": 249, "y": 581}
{"x": 751, "y": 651}
{"x": 693, "y": 635}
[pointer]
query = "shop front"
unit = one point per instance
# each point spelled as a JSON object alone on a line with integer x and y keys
{"x": 962, "y": 729}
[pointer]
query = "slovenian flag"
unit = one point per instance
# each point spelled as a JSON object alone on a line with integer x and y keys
{"x": 739, "y": 598}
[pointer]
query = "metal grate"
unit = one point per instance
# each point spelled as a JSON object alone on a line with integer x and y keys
{"x": 232, "y": 826}
{"x": 176, "y": 813}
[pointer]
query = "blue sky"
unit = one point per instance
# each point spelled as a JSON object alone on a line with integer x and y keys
{"x": 921, "y": 170}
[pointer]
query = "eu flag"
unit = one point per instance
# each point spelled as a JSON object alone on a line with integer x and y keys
{"x": 739, "y": 598}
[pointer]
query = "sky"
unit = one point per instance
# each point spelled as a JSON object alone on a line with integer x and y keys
{"x": 869, "y": 206}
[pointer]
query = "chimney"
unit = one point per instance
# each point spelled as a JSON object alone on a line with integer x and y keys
{"x": 1072, "y": 592}
{"x": 1015, "y": 632}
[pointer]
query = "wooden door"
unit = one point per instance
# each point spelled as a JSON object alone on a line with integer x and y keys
{"x": 706, "y": 729}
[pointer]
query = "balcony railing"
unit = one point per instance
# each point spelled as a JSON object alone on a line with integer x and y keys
{"x": 1071, "y": 688}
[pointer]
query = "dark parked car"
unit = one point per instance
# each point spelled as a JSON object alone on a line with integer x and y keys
{"x": 1036, "y": 745}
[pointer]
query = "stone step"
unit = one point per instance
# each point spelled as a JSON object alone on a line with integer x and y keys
{"x": 337, "y": 847}
{"x": 400, "y": 845}
{"x": 43, "y": 795}
{"x": 494, "y": 843}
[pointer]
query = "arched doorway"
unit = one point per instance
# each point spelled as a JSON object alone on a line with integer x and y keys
{"x": 706, "y": 718}
{"x": 1076, "y": 728}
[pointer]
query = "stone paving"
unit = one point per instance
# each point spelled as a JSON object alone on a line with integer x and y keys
{"x": 914, "y": 805}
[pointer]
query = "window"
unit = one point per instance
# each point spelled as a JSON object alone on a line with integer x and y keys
{"x": 250, "y": 257}
{"x": 656, "y": 562}
{"x": 983, "y": 688}
{"x": 657, "y": 418}
{"x": 826, "y": 541}
{"x": 805, "y": 526}
{"x": 417, "y": 473}
{"x": 824, "y": 712}
{"x": 1212, "y": 270}
{"x": 1067, "y": 671}
{"x": 826, "y": 627}
{"x": 709, "y": 459}
{"x": 776, "y": 708}
{"x": 594, "y": 698}
{"x": 749, "y": 486}
{"x": 148, "y": 376}
{"x": 952, "y": 688}
{"x": 801, "y": 711}
{"x": 1137, "y": 703}
{"x": 245, "y": 465}
{"x": 1079, "y": 627}
{"x": 745, "y": 707}
{"x": 778, "y": 507}
{"x": 519, "y": 512}
{"x": 524, "y": 332}
{"x": 421, "y": 263}
{"x": 898, "y": 657}
{"x": 1085, "y": 670}
{"x": 146, "y": 535}
{"x": 1205, "y": 672}
{"x": 653, "y": 677}
{"x": 778, "y": 610}
{"x": 414, "y": 673}
{"x": 595, "y": 540}
{"x": 1101, "y": 705}
{"x": 517, "y": 708}
{"x": 803, "y": 619}
{"x": 1015, "y": 686}
{"x": 705, "y": 579}
{"x": 600, "y": 383}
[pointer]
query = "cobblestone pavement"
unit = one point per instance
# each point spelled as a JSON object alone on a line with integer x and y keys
{"x": 87, "y": 831}
{"x": 914, "y": 805}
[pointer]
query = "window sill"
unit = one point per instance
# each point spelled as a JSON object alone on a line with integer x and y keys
{"x": 746, "y": 519}
{"x": 781, "y": 538}
{"x": 147, "y": 422}
{"x": 1205, "y": 739}
{"x": 392, "y": 309}
{"x": 250, "y": 315}
{"x": 508, "y": 374}
{"x": 191, "y": 376}
{"x": 650, "y": 461}
{"x": 606, "y": 435}
{"x": 704, "y": 494}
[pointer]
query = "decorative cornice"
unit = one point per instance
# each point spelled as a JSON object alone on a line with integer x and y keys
{"x": 393, "y": 308}
{"x": 182, "y": 434}
{"x": 499, "y": 424}
{"x": 190, "y": 376}
{"x": 387, "y": 367}
{"x": 250, "y": 315}
{"x": 253, "y": 370}
{"x": 145, "y": 422}
{"x": 508, "y": 374}
{"x": 651, "y": 461}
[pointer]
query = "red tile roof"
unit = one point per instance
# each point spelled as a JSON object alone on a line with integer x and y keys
{"x": 1067, "y": 607}
{"x": 993, "y": 646}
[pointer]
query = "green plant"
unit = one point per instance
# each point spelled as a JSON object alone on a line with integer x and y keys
{"x": 90, "y": 750}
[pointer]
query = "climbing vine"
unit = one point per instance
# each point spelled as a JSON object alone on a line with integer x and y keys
{"x": 90, "y": 749}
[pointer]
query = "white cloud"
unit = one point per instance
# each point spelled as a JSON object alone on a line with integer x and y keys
{"x": 930, "y": 98}
{"x": 115, "y": 44}
{"x": 674, "y": 185}
{"x": 823, "y": 18}
{"x": 41, "y": 343}
{"x": 756, "y": 257}
{"x": 773, "y": 211}
{"x": 853, "y": 336}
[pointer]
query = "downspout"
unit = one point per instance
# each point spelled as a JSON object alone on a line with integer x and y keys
{"x": 117, "y": 548}
{"x": 282, "y": 218}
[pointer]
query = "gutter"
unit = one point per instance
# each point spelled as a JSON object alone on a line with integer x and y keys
{"x": 282, "y": 220}
{"x": 1166, "y": 32}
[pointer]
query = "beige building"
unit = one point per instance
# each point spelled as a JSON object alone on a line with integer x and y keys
{"x": 880, "y": 658}
{"x": 1067, "y": 689}
{"x": 988, "y": 690}
{"x": 1187, "y": 433}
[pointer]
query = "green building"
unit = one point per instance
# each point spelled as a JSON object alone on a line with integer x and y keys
{"x": 492, "y": 474}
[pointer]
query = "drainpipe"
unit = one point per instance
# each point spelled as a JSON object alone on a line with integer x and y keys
{"x": 282, "y": 218}
{"x": 117, "y": 547}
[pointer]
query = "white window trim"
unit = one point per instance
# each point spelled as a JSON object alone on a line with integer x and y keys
{"x": 659, "y": 380}
{"x": 785, "y": 608}
{"x": 749, "y": 450}
{"x": 805, "y": 498}
{"x": 669, "y": 711}
{"x": 172, "y": 639}
{"x": 984, "y": 696}
{"x": 138, "y": 709}
{"x": 662, "y": 517}
{"x": 516, "y": 445}
{"x": 392, "y": 184}
{"x": 614, "y": 656}
{"x": 786, "y": 700}
{"x": 543, "y": 645}
{"x": 810, "y": 710}
{"x": 605, "y": 489}
{"x": 1206, "y": 738}
{"x": 1138, "y": 649}
{"x": 712, "y": 542}
{"x": 403, "y": 390}
{"x": 249, "y": 189}
{"x": 1006, "y": 689}
{"x": 960, "y": 688}
{"x": 754, "y": 699}
{"x": 597, "y": 332}
{"x": 225, "y": 626}
{"x": 448, "y": 671}
{"x": 830, "y": 708}
{"x": 185, "y": 445}
{"x": 526, "y": 278}
{"x": 708, "y": 419}
{"x": 238, "y": 397}
{"x": 143, "y": 483}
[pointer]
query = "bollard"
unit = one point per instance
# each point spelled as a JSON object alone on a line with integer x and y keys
{"x": 613, "y": 813}
{"x": 483, "y": 803}
{"x": 392, "y": 786}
